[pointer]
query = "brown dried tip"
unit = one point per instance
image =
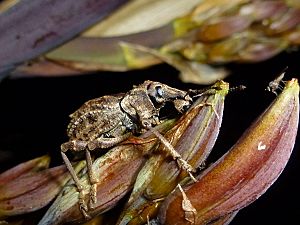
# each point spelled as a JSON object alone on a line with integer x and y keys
{"x": 246, "y": 171}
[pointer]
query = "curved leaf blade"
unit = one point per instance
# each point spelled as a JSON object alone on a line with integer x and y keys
{"x": 33, "y": 27}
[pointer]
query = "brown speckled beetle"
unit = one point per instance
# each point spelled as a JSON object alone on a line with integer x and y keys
{"x": 106, "y": 121}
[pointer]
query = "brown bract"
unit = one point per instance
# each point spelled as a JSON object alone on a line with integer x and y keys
{"x": 247, "y": 170}
{"x": 30, "y": 186}
{"x": 36, "y": 164}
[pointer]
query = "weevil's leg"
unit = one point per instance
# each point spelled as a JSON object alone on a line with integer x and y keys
{"x": 100, "y": 142}
{"x": 201, "y": 92}
{"x": 93, "y": 179}
{"x": 82, "y": 204}
{"x": 212, "y": 106}
{"x": 176, "y": 156}
{"x": 74, "y": 145}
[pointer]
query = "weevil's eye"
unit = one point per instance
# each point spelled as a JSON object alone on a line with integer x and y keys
{"x": 159, "y": 91}
{"x": 156, "y": 92}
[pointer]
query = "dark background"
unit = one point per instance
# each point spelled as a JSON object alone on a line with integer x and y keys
{"x": 34, "y": 115}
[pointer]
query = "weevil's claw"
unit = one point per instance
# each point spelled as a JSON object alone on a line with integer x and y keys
{"x": 85, "y": 214}
{"x": 189, "y": 210}
{"x": 83, "y": 206}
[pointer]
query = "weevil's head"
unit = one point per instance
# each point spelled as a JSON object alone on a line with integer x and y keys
{"x": 162, "y": 93}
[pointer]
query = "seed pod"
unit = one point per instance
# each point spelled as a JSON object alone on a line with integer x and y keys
{"x": 31, "y": 187}
{"x": 25, "y": 168}
{"x": 247, "y": 170}
{"x": 193, "y": 137}
{"x": 223, "y": 28}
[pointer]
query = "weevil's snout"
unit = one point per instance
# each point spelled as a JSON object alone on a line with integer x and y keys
{"x": 162, "y": 93}
{"x": 182, "y": 105}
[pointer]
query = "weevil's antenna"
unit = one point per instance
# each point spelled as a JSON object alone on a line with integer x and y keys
{"x": 212, "y": 91}
{"x": 204, "y": 91}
